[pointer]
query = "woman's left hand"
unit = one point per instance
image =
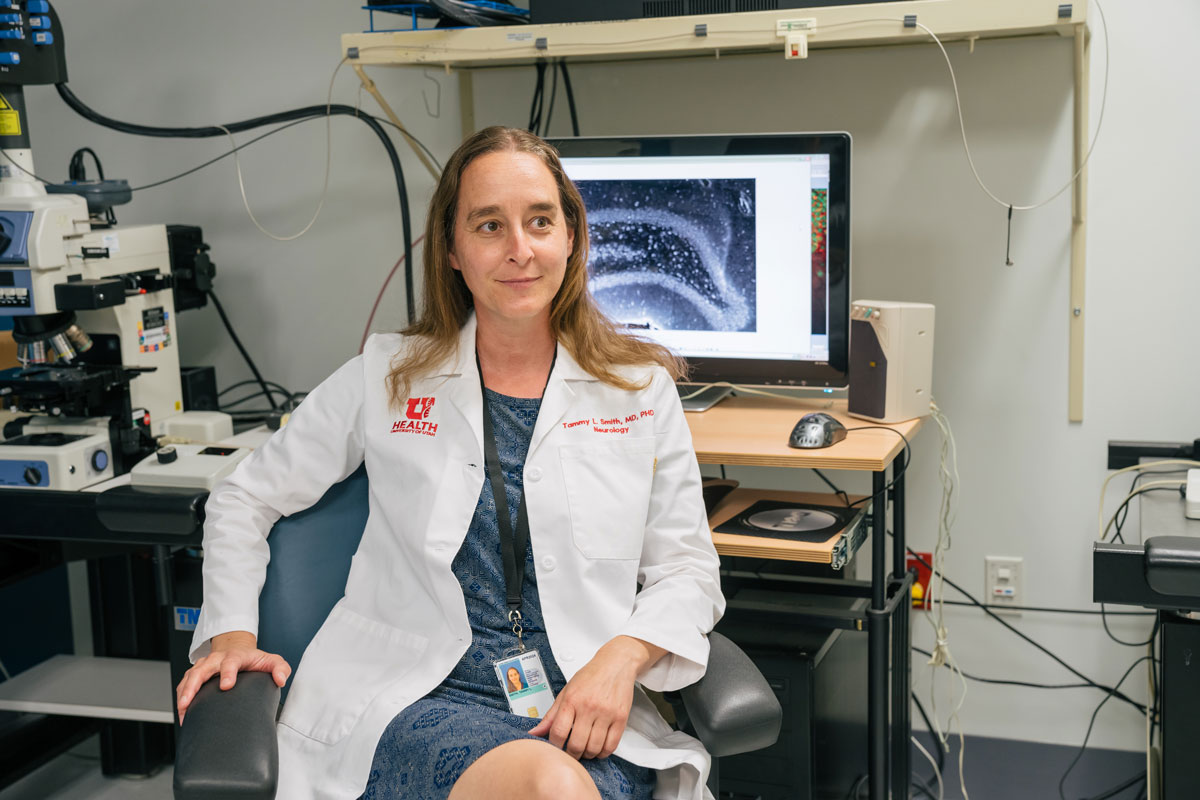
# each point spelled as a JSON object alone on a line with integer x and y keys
{"x": 589, "y": 714}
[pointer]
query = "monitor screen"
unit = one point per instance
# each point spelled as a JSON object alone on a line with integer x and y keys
{"x": 733, "y": 251}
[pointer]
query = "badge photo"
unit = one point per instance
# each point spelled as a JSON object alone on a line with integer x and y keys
{"x": 524, "y": 682}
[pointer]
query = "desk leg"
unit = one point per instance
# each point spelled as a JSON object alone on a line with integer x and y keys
{"x": 901, "y": 648}
{"x": 877, "y": 645}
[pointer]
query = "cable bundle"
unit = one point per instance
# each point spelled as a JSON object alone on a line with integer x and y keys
{"x": 463, "y": 12}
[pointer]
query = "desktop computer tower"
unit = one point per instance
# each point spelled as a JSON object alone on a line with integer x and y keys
{"x": 891, "y": 360}
{"x": 820, "y": 677}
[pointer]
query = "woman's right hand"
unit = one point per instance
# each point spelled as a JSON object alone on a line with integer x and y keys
{"x": 231, "y": 653}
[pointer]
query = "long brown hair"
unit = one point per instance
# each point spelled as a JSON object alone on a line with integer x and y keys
{"x": 595, "y": 343}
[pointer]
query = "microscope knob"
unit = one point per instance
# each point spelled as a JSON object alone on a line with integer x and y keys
{"x": 33, "y": 476}
{"x": 167, "y": 454}
{"x": 100, "y": 460}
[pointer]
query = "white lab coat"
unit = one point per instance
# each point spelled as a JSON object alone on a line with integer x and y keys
{"x": 613, "y": 490}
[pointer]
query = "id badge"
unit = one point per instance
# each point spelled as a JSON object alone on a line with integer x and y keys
{"x": 525, "y": 684}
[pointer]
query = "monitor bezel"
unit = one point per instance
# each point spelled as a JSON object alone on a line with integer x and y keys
{"x": 751, "y": 371}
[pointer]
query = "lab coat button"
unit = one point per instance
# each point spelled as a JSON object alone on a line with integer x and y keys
{"x": 568, "y": 657}
{"x": 534, "y": 474}
{"x": 548, "y": 563}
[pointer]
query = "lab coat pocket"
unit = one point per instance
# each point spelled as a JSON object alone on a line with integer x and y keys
{"x": 608, "y": 492}
{"x": 348, "y": 663}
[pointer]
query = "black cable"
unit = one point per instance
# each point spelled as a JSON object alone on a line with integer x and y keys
{"x": 240, "y": 384}
{"x": 1000, "y": 682}
{"x": 238, "y": 343}
{"x": 224, "y": 155}
{"x": 1128, "y": 500}
{"x": 562, "y": 66}
{"x": 254, "y": 396}
{"x": 281, "y": 128}
{"x": 1046, "y": 610}
{"x": 76, "y": 170}
{"x": 272, "y": 119}
{"x": 1113, "y": 692}
{"x": 535, "y": 104}
{"x": 550, "y": 105}
{"x": 1123, "y": 512}
{"x": 1153, "y": 700}
{"x": 845, "y": 497}
{"x": 903, "y": 465}
{"x": 856, "y": 787}
{"x": 1120, "y": 696}
{"x": 1111, "y": 635}
{"x": 723, "y": 472}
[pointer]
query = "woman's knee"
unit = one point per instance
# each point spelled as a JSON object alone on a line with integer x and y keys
{"x": 525, "y": 770}
{"x": 560, "y": 776}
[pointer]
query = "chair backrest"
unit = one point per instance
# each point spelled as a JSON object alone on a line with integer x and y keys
{"x": 310, "y": 561}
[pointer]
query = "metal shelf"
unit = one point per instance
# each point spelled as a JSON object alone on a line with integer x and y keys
{"x": 746, "y": 32}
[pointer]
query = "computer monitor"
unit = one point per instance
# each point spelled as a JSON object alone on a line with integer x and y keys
{"x": 733, "y": 251}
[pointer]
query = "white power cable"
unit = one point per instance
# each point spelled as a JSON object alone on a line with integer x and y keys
{"x": 237, "y": 162}
{"x": 1169, "y": 462}
{"x": 749, "y": 390}
{"x": 941, "y": 655}
{"x": 962, "y": 125}
{"x": 937, "y": 772}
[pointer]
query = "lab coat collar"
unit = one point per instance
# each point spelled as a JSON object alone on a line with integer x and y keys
{"x": 462, "y": 385}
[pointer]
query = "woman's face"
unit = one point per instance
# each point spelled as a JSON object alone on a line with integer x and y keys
{"x": 511, "y": 242}
{"x": 514, "y": 677}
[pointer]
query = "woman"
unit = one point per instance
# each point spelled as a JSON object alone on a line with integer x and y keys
{"x": 481, "y": 429}
{"x": 515, "y": 684}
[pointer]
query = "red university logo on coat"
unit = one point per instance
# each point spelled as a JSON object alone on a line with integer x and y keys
{"x": 419, "y": 407}
{"x": 417, "y": 422}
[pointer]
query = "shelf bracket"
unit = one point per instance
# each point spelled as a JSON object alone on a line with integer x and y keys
{"x": 369, "y": 85}
{"x": 1076, "y": 317}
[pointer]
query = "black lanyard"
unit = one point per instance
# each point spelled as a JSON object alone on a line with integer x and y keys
{"x": 512, "y": 542}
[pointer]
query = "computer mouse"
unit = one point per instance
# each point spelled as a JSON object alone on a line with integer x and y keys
{"x": 816, "y": 430}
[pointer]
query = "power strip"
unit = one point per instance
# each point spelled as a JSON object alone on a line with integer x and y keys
{"x": 1191, "y": 498}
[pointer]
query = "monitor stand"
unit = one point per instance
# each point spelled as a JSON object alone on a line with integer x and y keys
{"x": 706, "y": 399}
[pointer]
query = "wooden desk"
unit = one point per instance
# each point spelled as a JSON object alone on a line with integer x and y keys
{"x": 753, "y": 431}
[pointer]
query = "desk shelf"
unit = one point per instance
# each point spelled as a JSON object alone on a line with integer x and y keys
{"x": 732, "y": 544}
{"x": 79, "y": 686}
{"x": 753, "y": 432}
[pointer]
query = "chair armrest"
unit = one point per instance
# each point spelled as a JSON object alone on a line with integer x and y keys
{"x": 732, "y": 708}
{"x": 226, "y": 748}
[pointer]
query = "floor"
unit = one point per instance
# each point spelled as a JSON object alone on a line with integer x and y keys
{"x": 75, "y": 775}
{"x": 997, "y": 770}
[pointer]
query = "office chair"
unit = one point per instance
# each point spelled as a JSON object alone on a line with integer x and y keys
{"x": 228, "y": 749}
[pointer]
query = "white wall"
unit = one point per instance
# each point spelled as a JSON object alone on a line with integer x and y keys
{"x": 922, "y": 231}
{"x": 299, "y": 306}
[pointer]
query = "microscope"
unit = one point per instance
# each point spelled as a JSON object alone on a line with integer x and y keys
{"x": 91, "y": 302}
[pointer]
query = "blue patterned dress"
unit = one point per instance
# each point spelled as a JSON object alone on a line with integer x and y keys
{"x": 432, "y": 742}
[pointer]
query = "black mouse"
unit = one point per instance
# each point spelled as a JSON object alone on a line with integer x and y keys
{"x": 816, "y": 430}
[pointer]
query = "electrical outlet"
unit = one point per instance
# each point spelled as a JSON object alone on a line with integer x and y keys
{"x": 920, "y": 588}
{"x": 1002, "y": 583}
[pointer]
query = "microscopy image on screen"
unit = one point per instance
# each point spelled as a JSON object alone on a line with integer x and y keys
{"x": 673, "y": 254}
{"x": 820, "y": 258}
